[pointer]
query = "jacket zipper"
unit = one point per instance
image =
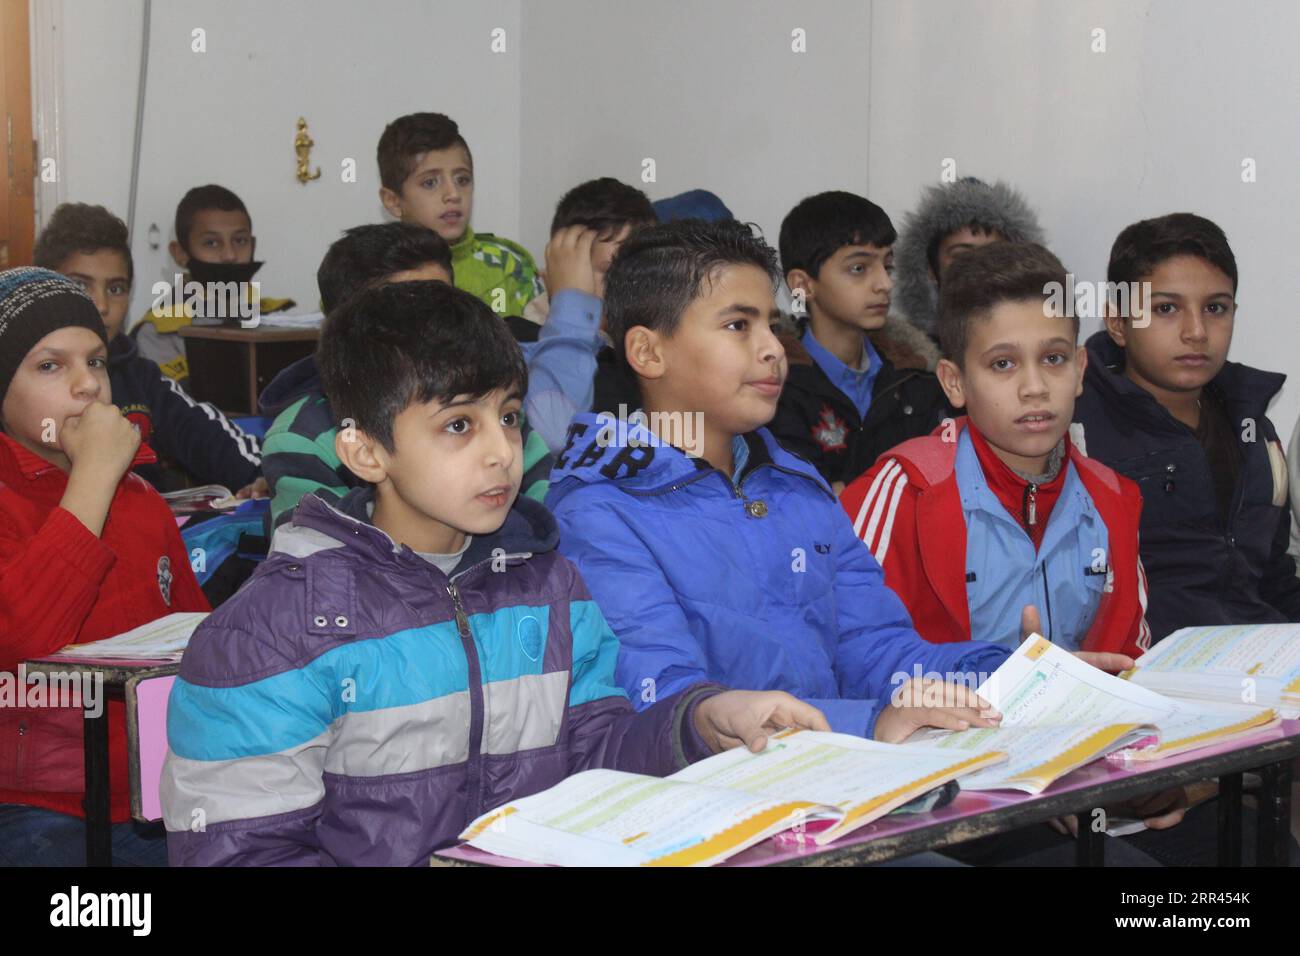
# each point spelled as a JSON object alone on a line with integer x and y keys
{"x": 1029, "y": 505}
{"x": 476, "y": 709}
{"x": 1047, "y": 599}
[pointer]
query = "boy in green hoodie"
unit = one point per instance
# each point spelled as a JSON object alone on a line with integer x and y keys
{"x": 427, "y": 176}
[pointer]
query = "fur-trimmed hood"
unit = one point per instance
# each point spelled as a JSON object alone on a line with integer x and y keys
{"x": 944, "y": 209}
{"x": 901, "y": 344}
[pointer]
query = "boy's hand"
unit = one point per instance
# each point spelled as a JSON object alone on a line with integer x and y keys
{"x": 737, "y": 717}
{"x": 1107, "y": 661}
{"x": 1159, "y": 811}
{"x": 926, "y": 702}
{"x": 258, "y": 489}
{"x": 568, "y": 261}
{"x": 101, "y": 441}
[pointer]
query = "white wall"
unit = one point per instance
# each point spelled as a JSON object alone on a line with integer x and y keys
{"x": 228, "y": 115}
{"x": 710, "y": 91}
{"x": 1158, "y": 123}
{"x": 101, "y": 62}
{"x": 886, "y": 90}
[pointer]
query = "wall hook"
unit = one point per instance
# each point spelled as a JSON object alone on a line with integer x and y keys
{"x": 302, "y": 144}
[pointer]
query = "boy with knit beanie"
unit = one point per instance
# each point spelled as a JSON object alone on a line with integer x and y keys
{"x": 87, "y": 550}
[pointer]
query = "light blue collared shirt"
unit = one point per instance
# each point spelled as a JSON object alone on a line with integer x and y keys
{"x": 856, "y": 383}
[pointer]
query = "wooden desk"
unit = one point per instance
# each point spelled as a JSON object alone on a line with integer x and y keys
{"x": 229, "y": 366}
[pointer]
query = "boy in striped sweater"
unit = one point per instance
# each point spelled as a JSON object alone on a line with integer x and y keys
{"x": 419, "y": 652}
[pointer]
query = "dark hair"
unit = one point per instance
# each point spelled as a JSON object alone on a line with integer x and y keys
{"x": 398, "y": 343}
{"x": 1140, "y": 248}
{"x": 370, "y": 252}
{"x": 659, "y": 270}
{"x": 197, "y": 200}
{"x": 408, "y": 137}
{"x": 79, "y": 227}
{"x": 977, "y": 228}
{"x": 603, "y": 204}
{"x": 820, "y": 225}
{"x": 983, "y": 278}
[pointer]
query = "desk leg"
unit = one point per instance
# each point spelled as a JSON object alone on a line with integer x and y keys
{"x": 99, "y": 836}
{"x": 1230, "y": 820}
{"x": 1274, "y": 814}
{"x": 1089, "y": 848}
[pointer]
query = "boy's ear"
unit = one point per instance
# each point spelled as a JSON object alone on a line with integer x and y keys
{"x": 363, "y": 455}
{"x": 391, "y": 200}
{"x": 952, "y": 381}
{"x": 1082, "y": 356}
{"x": 799, "y": 279}
{"x": 178, "y": 253}
{"x": 1116, "y": 326}
{"x": 644, "y": 350}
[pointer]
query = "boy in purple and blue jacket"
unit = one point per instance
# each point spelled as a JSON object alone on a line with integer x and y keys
{"x": 417, "y": 653}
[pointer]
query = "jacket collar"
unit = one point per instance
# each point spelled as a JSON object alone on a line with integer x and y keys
{"x": 121, "y": 350}
{"x": 599, "y": 449}
{"x": 1246, "y": 391}
{"x": 463, "y": 247}
{"x": 528, "y": 529}
{"x": 290, "y": 384}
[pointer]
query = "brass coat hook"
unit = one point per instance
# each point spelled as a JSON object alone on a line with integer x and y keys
{"x": 302, "y": 144}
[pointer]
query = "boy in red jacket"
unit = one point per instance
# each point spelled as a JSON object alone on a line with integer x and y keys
{"x": 996, "y": 525}
{"x": 87, "y": 550}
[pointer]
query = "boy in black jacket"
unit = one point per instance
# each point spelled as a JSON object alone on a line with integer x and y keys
{"x": 90, "y": 245}
{"x": 845, "y": 402}
{"x": 1163, "y": 406}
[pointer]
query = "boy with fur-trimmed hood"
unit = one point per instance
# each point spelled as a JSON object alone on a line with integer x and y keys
{"x": 949, "y": 220}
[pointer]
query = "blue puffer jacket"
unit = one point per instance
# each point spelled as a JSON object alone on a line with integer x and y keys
{"x": 353, "y": 705}
{"x": 760, "y": 584}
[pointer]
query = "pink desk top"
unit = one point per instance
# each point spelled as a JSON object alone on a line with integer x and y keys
{"x": 781, "y": 849}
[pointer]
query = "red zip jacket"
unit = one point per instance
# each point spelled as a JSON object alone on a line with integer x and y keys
{"x": 910, "y": 516}
{"x": 59, "y": 585}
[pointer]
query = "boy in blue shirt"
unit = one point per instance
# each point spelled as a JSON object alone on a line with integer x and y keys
{"x": 856, "y": 386}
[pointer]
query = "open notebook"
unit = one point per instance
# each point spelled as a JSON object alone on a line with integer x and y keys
{"x": 161, "y": 640}
{"x": 719, "y": 806}
{"x": 1059, "y": 713}
{"x": 201, "y": 500}
{"x": 1251, "y": 664}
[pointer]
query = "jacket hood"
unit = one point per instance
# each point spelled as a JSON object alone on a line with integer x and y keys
{"x": 318, "y": 526}
{"x": 1245, "y": 389}
{"x": 944, "y": 209}
{"x": 121, "y": 349}
{"x": 602, "y": 449}
{"x": 903, "y": 345}
{"x": 290, "y": 384}
{"x": 898, "y": 342}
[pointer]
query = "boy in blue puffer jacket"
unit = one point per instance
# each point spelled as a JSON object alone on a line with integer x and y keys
{"x": 417, "y": 653}
{"x": 714, "y": 553}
